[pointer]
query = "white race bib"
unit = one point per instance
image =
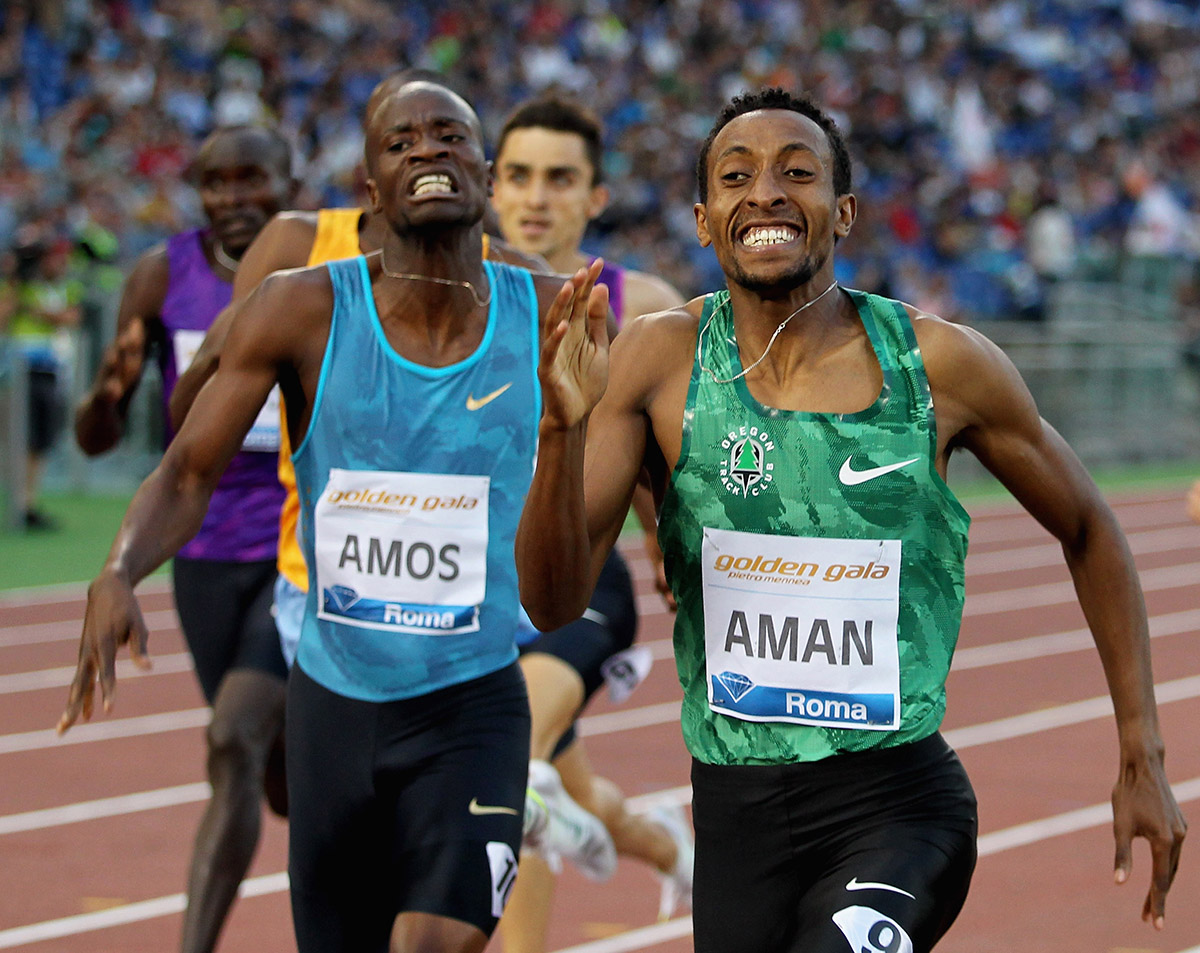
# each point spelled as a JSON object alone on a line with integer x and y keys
{"x": 802, "y": 630}
{"x": 264, "y": 433}
{"x": 402, "y": 552}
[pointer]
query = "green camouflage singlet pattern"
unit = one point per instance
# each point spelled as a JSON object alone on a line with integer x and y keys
{"x": 744, "y": 466}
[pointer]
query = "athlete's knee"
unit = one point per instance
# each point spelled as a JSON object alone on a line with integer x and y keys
{"x": 247, "y": 720}
{"x": 604, "y": 799}
{"x": 237, "y": 745}
{"x": 427, "y": 933}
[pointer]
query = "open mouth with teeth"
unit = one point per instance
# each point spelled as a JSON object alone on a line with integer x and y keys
{"x": 758, "y": 236}
{"x": 433, "y": 184}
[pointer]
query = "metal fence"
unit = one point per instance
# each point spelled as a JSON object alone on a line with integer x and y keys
{"x": 14, "y": 416}
{"x": 1106, "y": 367}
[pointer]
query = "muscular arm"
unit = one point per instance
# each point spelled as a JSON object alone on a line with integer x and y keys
{"x": 646, "y": 294}
{"x": 562, "y": 541}
{"x": 100, "y": 416}
{"x": 277, "y": 333}
{"x": 983, "y": 406}
{"x": 284, "y": 242}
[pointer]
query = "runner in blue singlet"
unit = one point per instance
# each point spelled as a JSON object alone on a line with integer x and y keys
{"x": 411, "y": 394}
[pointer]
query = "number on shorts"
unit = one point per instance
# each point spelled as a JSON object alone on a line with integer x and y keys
{"x": 884, "y": 937}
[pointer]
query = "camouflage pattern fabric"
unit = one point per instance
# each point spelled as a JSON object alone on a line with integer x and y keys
{"x": 744, "y": 466}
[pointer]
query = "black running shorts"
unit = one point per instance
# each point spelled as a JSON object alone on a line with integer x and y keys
{"x": 47, "y": 409}
{"x": 608, "y": 626}
{"x": 406, "y": 806}
{"x": 225, "y": 612}
{"x": 869, "y": 852}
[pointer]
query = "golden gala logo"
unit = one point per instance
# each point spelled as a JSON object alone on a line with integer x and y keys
{"x": 762, "y": 568}
{"x": 380, "y": 499}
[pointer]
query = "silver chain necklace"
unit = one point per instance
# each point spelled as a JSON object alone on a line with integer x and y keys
{"x": 223, "y": 257}
{"x": 480, "y": 302}
{"x": 782, "y": 324}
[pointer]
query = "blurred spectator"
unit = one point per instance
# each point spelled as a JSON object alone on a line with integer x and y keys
{"x": 1050, "y": 237}
{"x": 41, "y": 304}
{"x": 963, "y": 119}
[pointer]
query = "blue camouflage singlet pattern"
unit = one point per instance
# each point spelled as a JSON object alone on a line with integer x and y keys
{"x": 411, "y": 482}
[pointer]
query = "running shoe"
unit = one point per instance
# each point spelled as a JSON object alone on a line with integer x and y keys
{"x": 558, "y": 827}
{"x": 676, "y": 885}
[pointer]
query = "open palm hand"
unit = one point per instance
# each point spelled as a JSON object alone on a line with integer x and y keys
{"x": 574, "y": 363}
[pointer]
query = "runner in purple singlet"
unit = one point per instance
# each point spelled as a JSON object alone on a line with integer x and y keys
{"x": 224, "y": 576}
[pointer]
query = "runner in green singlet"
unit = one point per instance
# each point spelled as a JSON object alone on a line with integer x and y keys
{"x": 797, "y": 435}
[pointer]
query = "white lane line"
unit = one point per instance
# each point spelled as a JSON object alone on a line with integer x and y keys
{"x": 105, "y": 730}
{"x": 1021, "y": 835}
{"x": 67, "y": 630}
{"x": 625, "y": 719}
{"x": 1050, "y": 554}
{"x": 969, "y": 736}
{"x": 1035, "y": 555}
{"x": 637, "y": 939}
{"x": 59, "y": 593}
{"x": 1131, "y": 516}
{"x": 978, "y": 656}
{"x": 127, "y": 913}
{"x": 1060, "y": 716}
{"x": 63, "y": 676}
{"x": 1060, "y": 643}
{"x": 1056, "y": 593}
{"x": 105, "y": 807}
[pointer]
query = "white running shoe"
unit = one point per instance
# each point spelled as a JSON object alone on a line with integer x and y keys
{"x": 677, "y": 885}
{"x": 559, "y": 827}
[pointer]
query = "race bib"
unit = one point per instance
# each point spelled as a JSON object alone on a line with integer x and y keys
{"x": 402, "y": 552}
{"x": 625, "y": 671}
{"x": 802, "y": 630}
{"x": 264, "y": 433}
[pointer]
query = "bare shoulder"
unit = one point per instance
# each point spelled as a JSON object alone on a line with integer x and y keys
{"x": 657, "y": 347}
{"x": 644, "y": 293}
{"x": 955, "y": 354}
{"x": 146, "y": 286}
{"x": 284, "y": 242}
{"x": 294, "y": 221}
{"x": 287, "y": 304}
{"x": 289, "y": 237}
{"x": 501, "y": 251}
{"x": 152, "y": 265}
{"x": 974, "y": 386}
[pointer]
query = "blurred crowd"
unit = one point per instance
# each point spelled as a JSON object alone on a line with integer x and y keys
{"x": 999, "y": 146}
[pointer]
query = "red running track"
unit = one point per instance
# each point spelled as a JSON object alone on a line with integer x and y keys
{"x": 96, "y": 828}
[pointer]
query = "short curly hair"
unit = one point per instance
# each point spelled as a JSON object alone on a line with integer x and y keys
{"x": 775, "y": 97}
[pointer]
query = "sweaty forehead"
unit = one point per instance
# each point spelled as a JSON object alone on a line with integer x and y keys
{"x": 421, "y": 103}
{"x": 768, "y": 131}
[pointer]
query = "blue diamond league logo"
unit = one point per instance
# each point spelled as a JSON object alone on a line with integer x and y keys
{"x": 342, "y": 597}
{"x": 737, "y": 685}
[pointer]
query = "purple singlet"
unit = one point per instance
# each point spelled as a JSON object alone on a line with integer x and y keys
{"x": 613, "y": 276}
{"x": 242, "y": 523}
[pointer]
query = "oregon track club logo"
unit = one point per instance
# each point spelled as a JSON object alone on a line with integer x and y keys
{"x": 746, "y": 470}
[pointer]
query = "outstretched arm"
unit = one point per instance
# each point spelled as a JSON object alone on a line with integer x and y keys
{"x": 559, "y": 549}
{"x": 988, "y": 410}
{"x": 100, "y": 416}
{"x": 169, "y": 507}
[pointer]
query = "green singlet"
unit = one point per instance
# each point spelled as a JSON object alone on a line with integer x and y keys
{"x": 817, "y": 559}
